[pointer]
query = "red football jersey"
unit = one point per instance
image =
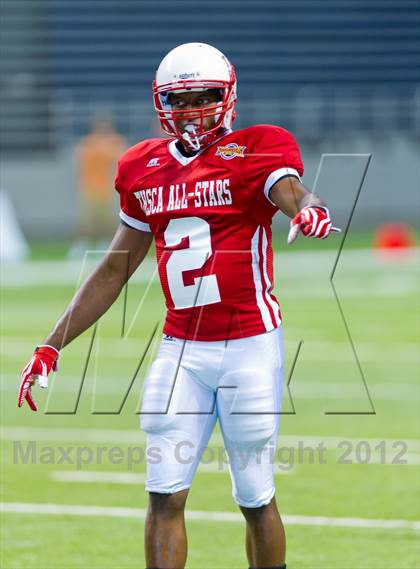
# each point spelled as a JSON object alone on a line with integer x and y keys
{"x": 210, "y": 215}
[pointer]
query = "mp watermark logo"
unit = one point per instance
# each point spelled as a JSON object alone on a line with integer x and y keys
{"x": 91, "y": 365}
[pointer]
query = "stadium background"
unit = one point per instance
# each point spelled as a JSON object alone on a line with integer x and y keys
{"x": 343, "y": 76}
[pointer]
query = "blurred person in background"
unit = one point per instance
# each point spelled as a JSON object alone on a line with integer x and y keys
{"x": 96, "y": 158}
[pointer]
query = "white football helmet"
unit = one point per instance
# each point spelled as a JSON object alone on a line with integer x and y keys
{"x": 195, "y": 67}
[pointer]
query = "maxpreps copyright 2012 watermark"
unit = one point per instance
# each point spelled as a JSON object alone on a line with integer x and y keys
{"x": 284, "y": 458}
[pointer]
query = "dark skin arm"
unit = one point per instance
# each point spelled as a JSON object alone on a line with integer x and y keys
{"x": 290, "y": 195}
{"x": 100, "y": 290}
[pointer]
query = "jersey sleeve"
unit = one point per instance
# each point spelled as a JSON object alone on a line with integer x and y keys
{"x": 275, "y": 155}
{"x": 130, "y": 212}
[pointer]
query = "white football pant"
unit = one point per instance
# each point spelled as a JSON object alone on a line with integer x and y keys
{"x": 189, "y": 386}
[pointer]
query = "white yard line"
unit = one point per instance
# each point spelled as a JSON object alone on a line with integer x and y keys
{"x": 331, "y": 352}
{"x": 300, "y": 389}
{"x": 351, "y": 522}
{"x": 288, "y": 263}
{"x": 65, "y": 273}
{"x": 64, "y": 434}
{"x": 198, "y": 515}
{"x": 96, "y": 477}
{"x": 123, "y": 478}
{"x": 317, "y": 391}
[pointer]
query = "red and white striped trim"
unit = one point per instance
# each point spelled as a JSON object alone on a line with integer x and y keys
{"x": 28, "y": 366}
{"x": 133, "y": 222}
{"x": 269, "y": 309}
{"x": 269, "y": 284}
{"x": 275, "y": 177}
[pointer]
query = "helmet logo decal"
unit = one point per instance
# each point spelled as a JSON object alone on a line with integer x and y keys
{"x": 187, "y": 76}
{"x": 231, "y": 150}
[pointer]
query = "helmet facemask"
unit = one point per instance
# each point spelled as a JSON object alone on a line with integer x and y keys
{"x": 195, "y": 136}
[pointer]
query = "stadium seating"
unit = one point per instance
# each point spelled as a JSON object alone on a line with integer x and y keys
{"x": 324, "y": 65}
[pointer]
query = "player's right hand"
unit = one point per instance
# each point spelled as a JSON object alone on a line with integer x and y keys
{"x": 312, "y": 221}
{"x": 43, "y": 361}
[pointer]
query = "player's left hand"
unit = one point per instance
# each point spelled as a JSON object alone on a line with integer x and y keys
{"x": 43, "y": 361}
{"x": 312, "y": 221}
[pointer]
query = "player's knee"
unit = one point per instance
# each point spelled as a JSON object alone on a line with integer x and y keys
{"x": 252, "y": 489}
{"x": 253, "y": 499}
{"x": 255, "y": 516}
{"x": 167, "y": 505}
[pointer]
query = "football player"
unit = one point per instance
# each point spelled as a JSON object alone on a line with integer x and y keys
{"x": 207, "y": 197}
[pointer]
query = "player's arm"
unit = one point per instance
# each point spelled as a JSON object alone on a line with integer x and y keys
{"x": 290, "y": 195}
{"x": 127, "y": 250}
{"x": 308, "y": 212}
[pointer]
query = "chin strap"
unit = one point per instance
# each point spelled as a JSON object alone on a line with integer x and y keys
{"x": 193, "y": 140}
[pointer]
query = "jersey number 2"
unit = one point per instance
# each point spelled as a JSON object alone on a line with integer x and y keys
{"x": 205, "y": 290}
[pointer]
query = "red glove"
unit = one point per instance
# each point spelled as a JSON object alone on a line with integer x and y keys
{"x": 43, "y": 361}
{"x": 313, "y": 221}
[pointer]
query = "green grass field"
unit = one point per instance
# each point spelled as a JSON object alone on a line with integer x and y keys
{"x": 357, "y": 476}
